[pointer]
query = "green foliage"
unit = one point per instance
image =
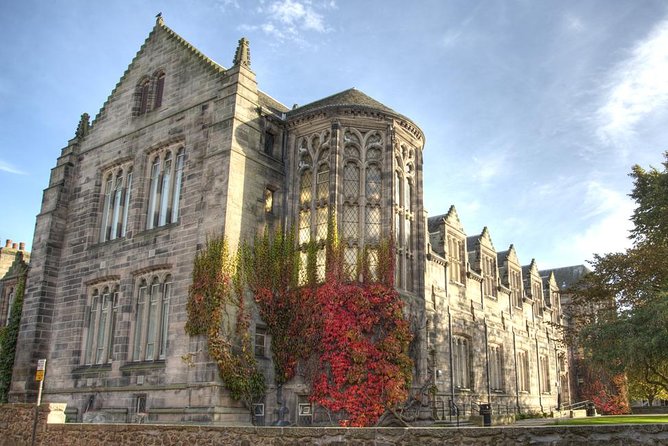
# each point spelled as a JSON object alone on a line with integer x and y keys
{"x": 270, "y": 270}
{"x": 216, "y": 308}
{"x": 8, "y": 337}
{"x": 620, "y": 310}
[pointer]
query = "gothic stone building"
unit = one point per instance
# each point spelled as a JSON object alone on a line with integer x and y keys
{"x": 184, "y": 149}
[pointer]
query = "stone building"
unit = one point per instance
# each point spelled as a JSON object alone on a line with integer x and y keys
{"x": 14, "y": 260}
{"x": 184, "y": 149}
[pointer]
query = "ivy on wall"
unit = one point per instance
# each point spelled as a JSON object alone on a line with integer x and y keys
{"x": 216, "y": 309}
{"x": 350, "y": 336}
{"x": 9, "y": 335}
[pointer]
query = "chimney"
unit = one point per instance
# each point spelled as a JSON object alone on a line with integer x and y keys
{"x": 22, "y": 246}
{"x": 15, "y": 245}
{"x": 8, "y": 243}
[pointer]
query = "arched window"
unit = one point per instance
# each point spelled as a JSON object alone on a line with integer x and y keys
{"x": 461, "y": 362}
{"x": 143, "y": 92}
{"x": 116, "y": 205}
{"x": 159, "y": 88}
{"x": 151, "y": 322}
{"x": 152, "y": 217}
{"x": 165, "y": 188}
{"x": 102, "y": 315}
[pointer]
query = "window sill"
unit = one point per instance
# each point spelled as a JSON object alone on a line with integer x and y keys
{"x": 94, "y": 369}
{"x": 144, "y": 365}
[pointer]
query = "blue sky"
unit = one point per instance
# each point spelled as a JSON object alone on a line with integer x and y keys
{"x": 533, "y": 111}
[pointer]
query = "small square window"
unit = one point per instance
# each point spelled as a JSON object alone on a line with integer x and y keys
{"x": 260, "y": 342}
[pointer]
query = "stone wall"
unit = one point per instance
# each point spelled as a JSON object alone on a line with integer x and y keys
{"x": 16, "y": 428}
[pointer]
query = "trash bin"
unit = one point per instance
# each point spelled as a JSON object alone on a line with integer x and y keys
{"x": 486, "y": 413}
{"x": 591, "y": 410}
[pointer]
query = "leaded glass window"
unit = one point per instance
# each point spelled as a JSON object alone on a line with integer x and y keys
{"x": 351, "y": 183}
{"x": 305, "y": 193}
{"x": 350, "y": 222}
{"x": 372, "y": 224}
{"x": 373, "y": 183}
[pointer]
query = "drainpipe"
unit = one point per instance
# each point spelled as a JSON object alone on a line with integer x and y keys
{"x": 540, "y": 398}
{"x": 489, "y": 386}
{"x": 452, "y": 371}
{"x": 517, "y": 381}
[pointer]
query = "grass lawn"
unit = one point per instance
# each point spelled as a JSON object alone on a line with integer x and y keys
{"x": 616, "y": 419}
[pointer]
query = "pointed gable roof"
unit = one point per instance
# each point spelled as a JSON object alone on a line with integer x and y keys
{"x": 486, "y": 239}
{"x": 158, "y": 29}
{"x": 509, "y": 255}
{"x": 451, "y": 218}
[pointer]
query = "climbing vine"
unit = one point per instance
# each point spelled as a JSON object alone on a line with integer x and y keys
{"x": 349, "y": 333}
{"x": 9, "y": 335}
{"x": 216, "y": 308}
{"x": 363, "y": 353}
{"x": 271, "y": 268}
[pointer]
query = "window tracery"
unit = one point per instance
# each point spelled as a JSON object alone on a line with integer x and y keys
{"x": 166, "y": 176}
{"x": 117, "y": 191}
{"x": 102, "y": 314}
{"x": 151, "y": 317}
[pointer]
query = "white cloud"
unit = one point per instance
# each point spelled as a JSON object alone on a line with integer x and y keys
{"x": 639, "y": 88}
{"x": 608, "y": 231}
{"x": 6, "y": 167}
{"x": 490, "y": 167}
{"x": 289, "y": 19}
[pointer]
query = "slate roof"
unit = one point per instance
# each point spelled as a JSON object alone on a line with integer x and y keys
{"x": 567, "y": 275}
{"x": 352, "y": 96}
{"x": 434, "y": 222}
{"x": 271, "y": 103}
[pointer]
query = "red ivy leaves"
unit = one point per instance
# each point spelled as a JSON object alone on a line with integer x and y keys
{"x": 363, "y": 356}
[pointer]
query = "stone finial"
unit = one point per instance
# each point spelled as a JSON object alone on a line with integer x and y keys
{"x": 158, "y": 19}
{"x": 84, "y": 125}
{"x": 242, "y": 55}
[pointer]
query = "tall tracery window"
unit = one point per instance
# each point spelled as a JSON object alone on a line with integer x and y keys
{"x": 102, "y": 314}
{"x": 116, "y": 207}
{"x": 495, "y": 367}
{"x": 489, "y": 275}
{"x": 544, "y": 374}
{"x": 9, "y": 302}
{"x": 461, "y": 362}
{"x": 165, "y": 188}
{"x": 523, "y": 371}
{"x": 537, "y": 295}
{"x": 314, "y": 207}
{"x": 151, "y": 319}
{"x": 455, "y": 255}
{"x": 515, "y": 280}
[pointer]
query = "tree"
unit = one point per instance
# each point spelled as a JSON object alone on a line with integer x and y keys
{"x": 620, "y": 310}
